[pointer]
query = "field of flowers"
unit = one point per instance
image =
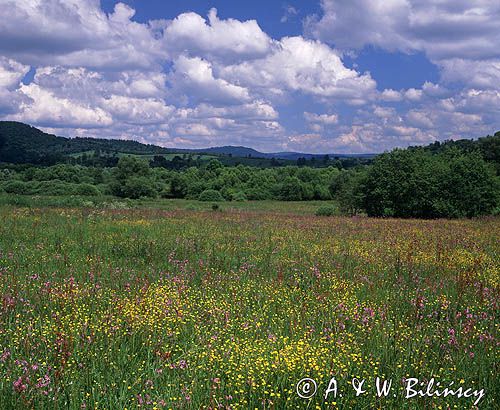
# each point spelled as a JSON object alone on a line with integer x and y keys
{"x": 115, "y": 309}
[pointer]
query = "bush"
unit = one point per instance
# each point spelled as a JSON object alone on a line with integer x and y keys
{"x": 86, "y": 190}
{"x": 326, "y": 210}
{"x": 15, "y": 187}
{"x": 210, "y": 195}
{"x": 55, "y": 187}
{"x": 291, "y": 190}
{"x": 257, "y": 194}
{"x": 136, "y": 187}
{"x": 239, "y": 197}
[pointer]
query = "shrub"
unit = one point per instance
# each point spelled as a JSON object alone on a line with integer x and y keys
{"x": 15, "y": 187}
{"x": 86, "y": 190}
{"x": 137, "y": 187}
{"x": 55, "y": 187}
{"x": 239, "y": 197}
{"x": 326, "y": 210}
{"x": 210, "y": 195}
{"x": 257, "y": 194}
{"x": 291, "y": 190}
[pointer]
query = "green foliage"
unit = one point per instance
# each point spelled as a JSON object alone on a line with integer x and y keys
{"x": 348, "y": 189}
{"x": 15, "y": 187}
{"x": 131, "y": 179}
{"x": 86, "y": 190}
{"x": 136, "y": 187}
{"x": 416, "y": 183}
{"x": 291, "y": 189}
{"x": 326, "y": 210}
{"x": 450, "y": 179}
{"x": 239, "y": 197}
{"x": 211, "y": 195}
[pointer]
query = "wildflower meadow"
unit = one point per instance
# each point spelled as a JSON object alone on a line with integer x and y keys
{"x": 124, "y": 309}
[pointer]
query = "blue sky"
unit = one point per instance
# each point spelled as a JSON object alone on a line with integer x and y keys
{"x": 325, "y": 76}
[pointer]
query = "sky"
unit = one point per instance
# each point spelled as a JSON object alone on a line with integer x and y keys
{"x": 316, "y": 76}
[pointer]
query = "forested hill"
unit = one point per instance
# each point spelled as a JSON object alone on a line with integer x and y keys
{"x": 21, "y": 143}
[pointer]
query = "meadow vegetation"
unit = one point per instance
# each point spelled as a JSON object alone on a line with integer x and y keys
{"x": 189, "y": 309}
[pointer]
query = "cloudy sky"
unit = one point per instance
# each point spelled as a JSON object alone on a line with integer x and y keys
{"x": 346, "y": 76}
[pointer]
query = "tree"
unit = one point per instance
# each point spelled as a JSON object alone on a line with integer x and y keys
{"x": 291, "y": 189}
{"x": 128, "y": 177}
{"x": 348, "y": 188}
{"x": 417, "y": 183}
{"x": 469, "y": 187}
{"x": 137, "y": 187}
{"x": 178, "y": 186}
{"x": 211, "y": 195}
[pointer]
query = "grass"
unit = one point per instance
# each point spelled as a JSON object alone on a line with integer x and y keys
{"x": 106, "y": 202}
{"x": 170, "y": 307}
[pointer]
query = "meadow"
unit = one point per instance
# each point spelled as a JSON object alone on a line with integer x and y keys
{"x": 193, "y": 308}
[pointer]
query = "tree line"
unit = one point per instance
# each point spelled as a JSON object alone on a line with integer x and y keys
{"x": 452, "y": 179}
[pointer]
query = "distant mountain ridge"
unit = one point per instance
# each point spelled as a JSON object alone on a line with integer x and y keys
{"x": 241, "y": 151}
{"x": 23, "y": 143}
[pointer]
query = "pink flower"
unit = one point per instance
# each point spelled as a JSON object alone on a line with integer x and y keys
{"x": 5, "y": 355}
{"x": 19, "y": 386}
{"x": 43, "y": 382}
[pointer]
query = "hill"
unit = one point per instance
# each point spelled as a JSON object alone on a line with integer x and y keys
{"x": 23, "y": 144}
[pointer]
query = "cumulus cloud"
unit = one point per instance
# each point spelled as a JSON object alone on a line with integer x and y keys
{"x": 482, "y": 74}
{"x": 194, "y": 77}
{"x": 11, "y": 73}
{"x": 138, "y": 110}
{"x": 302, "y": 65}
{"x": 390, "y": 95}
{"x": 77, "y": 33}
{"x": 317, "y": 121}
{"x": 230, "y": 39}
{"x": 201, "y": 81}
{"x": 47, "y": 110}
{"x": 443, "y": 29}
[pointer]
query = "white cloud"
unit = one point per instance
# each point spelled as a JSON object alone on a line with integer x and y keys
{"x": 321, "y": 118}
{"x": 194, "y": 77}
{"x": 483, "y": 74}
{"x": 230, "y": 39}
{"x": 11, "y": 73}
{"x": 301, "y": 65}
{"x": 202, "y": 82}
{"x": 443, "y": 29}
{"x": 354, "y": 23}
{"x": 419, "y": 119}
{"x": 256, "y": 110}
{"x": 196, "y": 129}
{"x": 413, "y": 94}
{"x": 77, "y": 33}
{"x": 48, "y": 110}
{"x": 391, "y": 95}
{"x": 137, "y": 110}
